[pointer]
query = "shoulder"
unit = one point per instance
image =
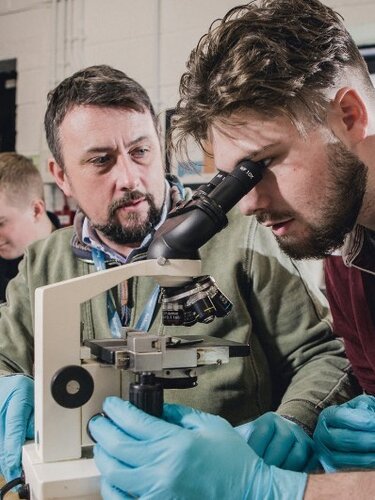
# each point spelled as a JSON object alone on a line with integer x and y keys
{"x": 57, "y": 240}
{"x": 53, "y": 255}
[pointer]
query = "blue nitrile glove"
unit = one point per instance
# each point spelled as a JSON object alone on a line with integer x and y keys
{"x": 345, "y": 435}
{"x": 186, "y": 455}
{"x": 280, "y": 442}
{"x": 16, "y": 421}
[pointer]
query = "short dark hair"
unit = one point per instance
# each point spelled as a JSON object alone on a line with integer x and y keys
{"x": 99, "y": 85}
{"x": 274, "y": 57}
{"x": 20, "y": 179}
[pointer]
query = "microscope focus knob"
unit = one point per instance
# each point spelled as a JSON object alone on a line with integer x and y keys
{"x": 72, "y": 386}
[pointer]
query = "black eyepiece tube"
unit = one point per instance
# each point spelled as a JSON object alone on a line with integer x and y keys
{"x": 192, "y": 223}
{"x": 212, "y": 184}
{"x": 236, "y": 184}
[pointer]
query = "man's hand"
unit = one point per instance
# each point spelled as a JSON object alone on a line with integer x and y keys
{"x": 189, "y": 454}
{"x": 280, "y": 442}
{"x": 16, "y": 421}
{"x": 345, "y": 435}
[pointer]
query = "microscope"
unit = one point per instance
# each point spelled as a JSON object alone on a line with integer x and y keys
{"x": 73, "y": 378}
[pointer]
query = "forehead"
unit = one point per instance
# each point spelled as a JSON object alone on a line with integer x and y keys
{"x": 246, "y": 134}
{"x": 94, "y": 124}
{"x": 251, "y": 130}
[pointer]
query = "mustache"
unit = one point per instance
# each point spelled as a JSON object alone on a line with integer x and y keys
{"x": 128, "y": 198}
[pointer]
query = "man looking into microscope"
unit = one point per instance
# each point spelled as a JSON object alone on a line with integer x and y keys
{"x": 279, "y": 81}
{"x": 104, "y": 137}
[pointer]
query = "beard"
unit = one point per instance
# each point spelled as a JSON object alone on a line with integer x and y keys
{"x": 337, "y": 213}
{"x": 136, "y": 228}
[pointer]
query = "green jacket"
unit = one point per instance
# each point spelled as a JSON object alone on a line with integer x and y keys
{"x": 296, "y": 366}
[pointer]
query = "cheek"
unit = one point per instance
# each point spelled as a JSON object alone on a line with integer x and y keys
{"x": 155, "y": 185}
{"x": 17, "y": 239}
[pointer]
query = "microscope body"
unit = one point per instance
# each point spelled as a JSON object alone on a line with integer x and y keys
{"x": 56, "y": 464}
{"x": 72, "y": 380}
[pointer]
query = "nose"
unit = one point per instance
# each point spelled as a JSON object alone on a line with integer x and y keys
{"x": 126, "y": 174}
{"x": 256, "y": 200}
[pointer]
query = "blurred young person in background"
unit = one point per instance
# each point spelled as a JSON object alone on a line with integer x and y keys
{"x": 23, "y": 215}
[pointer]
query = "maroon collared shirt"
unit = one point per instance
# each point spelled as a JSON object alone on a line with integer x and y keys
{"x": 351, "y": 295}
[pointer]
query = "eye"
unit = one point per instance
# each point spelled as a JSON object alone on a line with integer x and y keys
{"x": 100, "y": 160}
{"x": 140, "y": 152}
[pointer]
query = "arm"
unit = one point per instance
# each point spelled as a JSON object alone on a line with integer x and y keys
{"x": 17, "y": 352}
{"x": 16, "y": 389}
{"x": 346, "y": 486}
{"x": 16, "y": 327}
{"x": 293, "y": 325}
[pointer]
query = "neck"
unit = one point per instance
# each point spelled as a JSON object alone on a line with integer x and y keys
{"x": 122, "y": 249}
{"x": 44, "y": 227}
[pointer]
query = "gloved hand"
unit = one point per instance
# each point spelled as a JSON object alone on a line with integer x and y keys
{"x": 345, "y": 435}
{"x": 16, "y": 421}
{"x": 280, "y": 442}
{"x": 189, "y": 454}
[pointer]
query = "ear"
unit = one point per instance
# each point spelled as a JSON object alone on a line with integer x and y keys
{"x": 347, "y": 117}
{"x": 60, "y": 176}
{"x": 39, "y": 208}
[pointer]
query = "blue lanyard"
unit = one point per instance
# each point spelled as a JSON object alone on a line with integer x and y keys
{"x": 144, "y": 320}
{"x": 115, "y": 324}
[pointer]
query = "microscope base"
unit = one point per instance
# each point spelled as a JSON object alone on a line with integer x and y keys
{"x": 73, "y": 479}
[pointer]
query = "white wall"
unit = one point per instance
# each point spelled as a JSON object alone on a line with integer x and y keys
{"x": 148, "y": 39}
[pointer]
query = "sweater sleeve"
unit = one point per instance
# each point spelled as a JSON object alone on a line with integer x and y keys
{"x": 16, "y": 327}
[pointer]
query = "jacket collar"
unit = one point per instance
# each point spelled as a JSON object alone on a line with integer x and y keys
{"x": 359, "y": 249}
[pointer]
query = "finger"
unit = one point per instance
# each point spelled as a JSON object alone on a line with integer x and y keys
{"x": 298, "y": 457}
{"x": 262, "y": 435}
{"x": 348, "y": 418}
{"x": 363, "y": 402}
{"x": 131, "y": 481}
{"x": 280, "y": 447}
{"x": 134, "y": 421}
{"x": 110, "y": 492}
{"x": 190, "y": 418}
{"x": 130, "y": 451}
{"x": 17, "y": 417}
{"x": 343, "y": 440}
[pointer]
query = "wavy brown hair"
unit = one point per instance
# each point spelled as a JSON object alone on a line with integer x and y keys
{"x": 274, "y": 57}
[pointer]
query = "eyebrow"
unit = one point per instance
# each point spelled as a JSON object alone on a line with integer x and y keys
{"x": 103, "y": 149}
